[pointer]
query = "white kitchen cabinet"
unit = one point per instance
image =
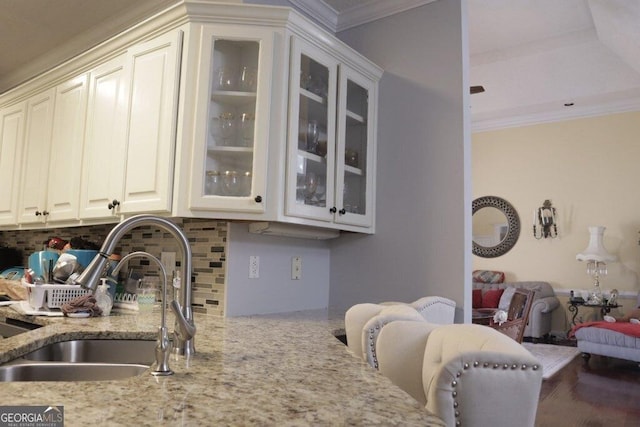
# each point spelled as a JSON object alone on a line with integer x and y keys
{"x": 151, "y": 124}
{"x": 330, "y": 165}
{"x": 35, "y": 163}
{"x": 53, "y": 153}
{"x": 232, "y": 136}
{"x": 355, "y": 152}
{"x": 67, "y": 141}
{"x": 12, "y": 120}
{"x": 105, "y": 140}
{"x": 260, "y": 116}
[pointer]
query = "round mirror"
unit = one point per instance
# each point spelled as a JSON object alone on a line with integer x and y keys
{"x": 496, "y": 226}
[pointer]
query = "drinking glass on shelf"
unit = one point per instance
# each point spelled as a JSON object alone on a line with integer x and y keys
{"x": 227, "y": 124}
{"x": 313, "y": 133}
{"x": 247, "y": 125}
{"x": 310, "y": 186}
{"x": 226, "y": 78}
{"x": 248, "y": 79}
{"x": 231, "y": 183}
{"x": 245, "y": 184}
{"x": 212, "y": 186}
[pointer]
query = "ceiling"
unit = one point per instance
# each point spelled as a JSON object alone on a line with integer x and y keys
{"x": 531, "y": 56}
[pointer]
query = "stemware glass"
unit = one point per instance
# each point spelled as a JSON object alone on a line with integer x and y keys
{"x": 247, "y": 125}
{"x": 310, "y": 186}
{"x": 227, "y": 124}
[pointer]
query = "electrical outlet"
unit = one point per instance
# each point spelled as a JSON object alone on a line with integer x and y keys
{"x": 254, "y": 267}
{"x": 296, "y": 268}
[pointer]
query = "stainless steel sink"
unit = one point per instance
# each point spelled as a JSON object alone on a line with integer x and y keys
{"x": 96, "y": 351}
{"x": 62, "y": 371}
{"x": 82, "y": 360}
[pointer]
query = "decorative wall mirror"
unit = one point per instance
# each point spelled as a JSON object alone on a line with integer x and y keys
{"x": 496, "y": 226}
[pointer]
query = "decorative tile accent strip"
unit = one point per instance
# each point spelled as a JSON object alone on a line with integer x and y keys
{"x": 208, "y": 239}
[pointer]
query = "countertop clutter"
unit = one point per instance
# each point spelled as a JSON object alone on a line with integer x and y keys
{"x": 285, "y": 369}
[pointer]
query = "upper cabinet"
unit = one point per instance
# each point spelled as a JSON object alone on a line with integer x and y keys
{"x": 12, "y": 120}
{"x": 231, "y": 136}
{"x": 312, "y": 133}
{"x": 208, "y": 110}
{"x": 35, "y": 162}
{"x": 151, "y": 124}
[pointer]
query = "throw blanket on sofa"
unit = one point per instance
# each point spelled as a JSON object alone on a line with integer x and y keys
{"x": 625, "y": 328}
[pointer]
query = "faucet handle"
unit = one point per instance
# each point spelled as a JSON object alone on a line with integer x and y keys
{"x": 186, "y": 329}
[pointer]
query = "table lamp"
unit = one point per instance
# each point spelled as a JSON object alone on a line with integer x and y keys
{"x": 596, "y": 257}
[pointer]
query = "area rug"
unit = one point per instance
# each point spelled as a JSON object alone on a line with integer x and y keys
{"x": 552, "y": 357}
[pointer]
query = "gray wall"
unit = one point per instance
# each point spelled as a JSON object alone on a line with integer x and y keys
{"x": 274, "y": 291}
{"x": 422, "y": 241}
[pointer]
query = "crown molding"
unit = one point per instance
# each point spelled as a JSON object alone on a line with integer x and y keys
{"x": 319, "y": 11}
{"x": 374, "y": 10}
{"x": 621, "y": 106}
{"x": 357, "y": 15}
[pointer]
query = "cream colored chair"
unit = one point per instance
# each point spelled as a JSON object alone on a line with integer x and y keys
{"x": 432, "y": 309}
{"x": 471, "y": 375}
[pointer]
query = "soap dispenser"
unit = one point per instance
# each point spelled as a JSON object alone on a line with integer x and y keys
{"x": 103, "y": 298}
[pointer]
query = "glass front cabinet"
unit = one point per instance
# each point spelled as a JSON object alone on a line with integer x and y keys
{"x": 230, "y": 158}
{"x": 331, "y": 132}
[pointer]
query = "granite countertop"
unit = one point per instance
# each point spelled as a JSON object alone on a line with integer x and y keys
{"x": 284, "y": 370}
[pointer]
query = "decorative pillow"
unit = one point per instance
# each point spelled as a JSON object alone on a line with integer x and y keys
{"x": 491, "y": 298}
{"x": 488, "y": 276}
{"x": 477, "y": 298}
{"x": 505, "y": 299}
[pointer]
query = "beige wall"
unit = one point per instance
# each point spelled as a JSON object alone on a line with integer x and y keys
{"x": 590, "y": 170}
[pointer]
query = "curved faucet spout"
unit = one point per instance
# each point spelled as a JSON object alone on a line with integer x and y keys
{"x": 90, "y": 276}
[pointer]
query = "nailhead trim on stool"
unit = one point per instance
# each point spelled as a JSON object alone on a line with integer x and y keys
{"x": 476, "y": 364}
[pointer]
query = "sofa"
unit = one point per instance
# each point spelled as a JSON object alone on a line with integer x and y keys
{"x": 489, "y": 295}
{"x": 466, "y": 374}
{"x": 620, "y": 339}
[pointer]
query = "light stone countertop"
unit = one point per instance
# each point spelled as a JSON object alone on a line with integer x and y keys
{"x": 285, "y": 370}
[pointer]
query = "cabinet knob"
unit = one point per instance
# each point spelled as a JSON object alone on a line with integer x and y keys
{"x": 342, "y": 211}
{"x": 258, "y": 199}
{"x": 333, "y": 210}
{"x": 38, "y": 213}
{"x": 113, "y": 204}
{"x": 45, "y": 213}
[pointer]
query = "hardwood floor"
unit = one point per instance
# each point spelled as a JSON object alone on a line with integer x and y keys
{"x": 604, "y": 392}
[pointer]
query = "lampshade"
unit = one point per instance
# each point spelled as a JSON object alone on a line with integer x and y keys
{"x": 596, "y": 251}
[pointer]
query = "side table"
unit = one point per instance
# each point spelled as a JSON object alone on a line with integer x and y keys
{"x": 574, "y": 307}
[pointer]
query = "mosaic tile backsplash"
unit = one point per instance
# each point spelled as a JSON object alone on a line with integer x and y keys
{"x": 208, "y": 240}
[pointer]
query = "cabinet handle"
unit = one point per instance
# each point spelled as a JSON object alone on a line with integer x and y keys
{"x": 342, "y": 211}
{"x": 333, "y": 210}
{"x": 113, "y": 204}
{"x": 258, "y": 199}
{"x": 38, "y": 213}
{"x": 45, "y": 213}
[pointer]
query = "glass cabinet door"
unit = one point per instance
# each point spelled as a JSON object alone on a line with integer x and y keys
{"x": 354, "y": 154}
{"x": 233, "y": 129}
{"x": 311, "y": 173}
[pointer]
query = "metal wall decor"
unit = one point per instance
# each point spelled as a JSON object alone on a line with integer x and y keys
{"x": 545, "y": 223}
{"x": 513, "y": 226}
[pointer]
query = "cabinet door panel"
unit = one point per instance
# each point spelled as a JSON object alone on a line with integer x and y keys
{"x": 153, "y": 103}
{"x": 35, "y": 165}
{"x": 11, "y": 140}
{"x": 355, "y": 153}
{"x": 310, "y": 182}
{"x": 103, "y": 165}
{"x": 66, "y": 149}
{"x": 232, "y": 130}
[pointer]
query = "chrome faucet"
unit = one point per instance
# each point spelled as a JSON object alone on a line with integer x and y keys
{"x": 185, "y": 329}
{"x": 163, "y": 348}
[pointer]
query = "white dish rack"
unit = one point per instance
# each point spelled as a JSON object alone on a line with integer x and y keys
{"x": 52, "y": 296}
